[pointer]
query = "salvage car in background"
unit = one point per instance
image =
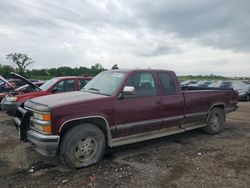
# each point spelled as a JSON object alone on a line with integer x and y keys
{"x": 243, "y": 89}
{"x": 5, "y": 87}
{"x": 119, "y": 107}
{"x": 15, "y": 86}
{"x": 56, "y": 85}
{"x": 221, "y": 84}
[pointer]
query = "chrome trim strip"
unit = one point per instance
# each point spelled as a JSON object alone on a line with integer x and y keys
{"x": 129, "y": 125}
{"x": 89, "y": 117}
{"x": 39, "y": 136}
{"x": 39, "y": 122}
{"x": 196, "y": 114}
{"x": 173, "y": 118}
{"x": 138, "y": 123}
{"x": 145, "y": 136}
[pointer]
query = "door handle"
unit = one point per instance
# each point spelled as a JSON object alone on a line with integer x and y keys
{"x": 158, "y": 102}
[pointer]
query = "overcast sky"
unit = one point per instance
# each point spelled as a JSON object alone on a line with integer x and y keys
{"x": 190, "y": 37}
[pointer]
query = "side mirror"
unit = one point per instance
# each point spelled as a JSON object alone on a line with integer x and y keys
{"x": 54, "y": 90}
{"x": 129, "y": 90}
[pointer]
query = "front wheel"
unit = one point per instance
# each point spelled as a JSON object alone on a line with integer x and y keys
{"x": 215, "y": 121}
{"x": 83, "y": 145}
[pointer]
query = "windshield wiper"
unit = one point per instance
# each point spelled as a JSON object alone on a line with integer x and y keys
{"x": 94, "y": 89}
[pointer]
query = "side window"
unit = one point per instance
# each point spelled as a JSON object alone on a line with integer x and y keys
{"x": 64, "y": 86}
{"x": 167, "y": 83}
{"x": 59, "y": 86}
{"x": 70, "y": 85}
{"x": 143, "y": 83}
{"x": 82, "y": 83}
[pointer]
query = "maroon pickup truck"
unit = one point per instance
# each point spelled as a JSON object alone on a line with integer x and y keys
{"x": 116, "y": 108}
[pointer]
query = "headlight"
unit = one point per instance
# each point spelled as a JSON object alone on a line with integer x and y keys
{"x": 43, "y": 117}
{"x": 42, "y": 122}
{"x": 11, "y": 99}
{"x": 44, "y": 128}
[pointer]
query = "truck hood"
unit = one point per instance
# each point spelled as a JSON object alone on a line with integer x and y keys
{"x": 62, "y": 99}
{"x": 6, "y": 81}
{"x": 26, "y": 81}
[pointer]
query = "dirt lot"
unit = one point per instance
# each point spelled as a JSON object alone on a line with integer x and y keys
{"x": 190, "y": 159}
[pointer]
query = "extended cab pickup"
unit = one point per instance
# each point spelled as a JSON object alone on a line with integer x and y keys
{"x": 116, "y": 108}
{"x": 10, "y": 102}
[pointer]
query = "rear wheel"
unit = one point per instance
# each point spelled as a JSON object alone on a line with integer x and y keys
{"x": 83, "y": 145}
{"x": 215, "y": 121}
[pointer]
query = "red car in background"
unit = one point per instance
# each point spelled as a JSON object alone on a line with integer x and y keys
{"x": 10, "y": 103}
{"x": 16, "y": 86}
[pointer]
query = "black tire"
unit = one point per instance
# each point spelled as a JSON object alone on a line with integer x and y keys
{"x": 215, "y": 121}
{"x": 82, "y": 145}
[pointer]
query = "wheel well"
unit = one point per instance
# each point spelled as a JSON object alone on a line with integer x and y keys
{"x": 220, "y": 106}
{"x": 99, "y": 122}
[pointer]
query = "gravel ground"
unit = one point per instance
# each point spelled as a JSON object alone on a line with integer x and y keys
{"x": 191, "y": 159}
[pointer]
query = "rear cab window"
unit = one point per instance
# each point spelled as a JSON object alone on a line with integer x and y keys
{"x": 167, "y": 83}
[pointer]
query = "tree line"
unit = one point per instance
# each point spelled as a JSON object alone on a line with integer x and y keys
{"x": 20, "y": 63}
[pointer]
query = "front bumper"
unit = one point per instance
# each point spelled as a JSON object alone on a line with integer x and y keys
{"x": 9, "y": 107}
{"x": 45, "y": 144}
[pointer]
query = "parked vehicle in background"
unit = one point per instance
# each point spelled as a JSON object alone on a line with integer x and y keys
{"x": 243, "y": 90}
{"x": 15, "y": 86}
{"x": 56, "y": 85}
{"x": 221, "y": 84}
{"x": 202, "y": 83}
{"x": 27, "y": 88}
{"x": 6, "y": 86}
{"x": 119, "y": 107}
{"x": 188, "y": 82}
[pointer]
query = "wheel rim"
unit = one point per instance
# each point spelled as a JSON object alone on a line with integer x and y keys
{"x": 215, "y": 121}
{"x": 85, "y": 149}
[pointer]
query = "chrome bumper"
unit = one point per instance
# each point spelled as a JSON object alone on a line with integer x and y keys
{"x": 44, "y": 144}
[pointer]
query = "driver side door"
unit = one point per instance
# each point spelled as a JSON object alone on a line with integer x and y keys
{"x": 139, "y": 112}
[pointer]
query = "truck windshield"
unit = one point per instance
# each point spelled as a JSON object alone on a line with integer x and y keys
{"x": 104, "y": 83}
{"x": 48, "y": 84}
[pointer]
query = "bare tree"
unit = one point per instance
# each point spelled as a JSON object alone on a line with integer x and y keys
{"x": 20, "y": 60}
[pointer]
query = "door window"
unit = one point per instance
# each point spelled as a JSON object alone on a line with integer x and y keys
{"x": 143, "y": 83}
{"x": 64, "y": 86}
